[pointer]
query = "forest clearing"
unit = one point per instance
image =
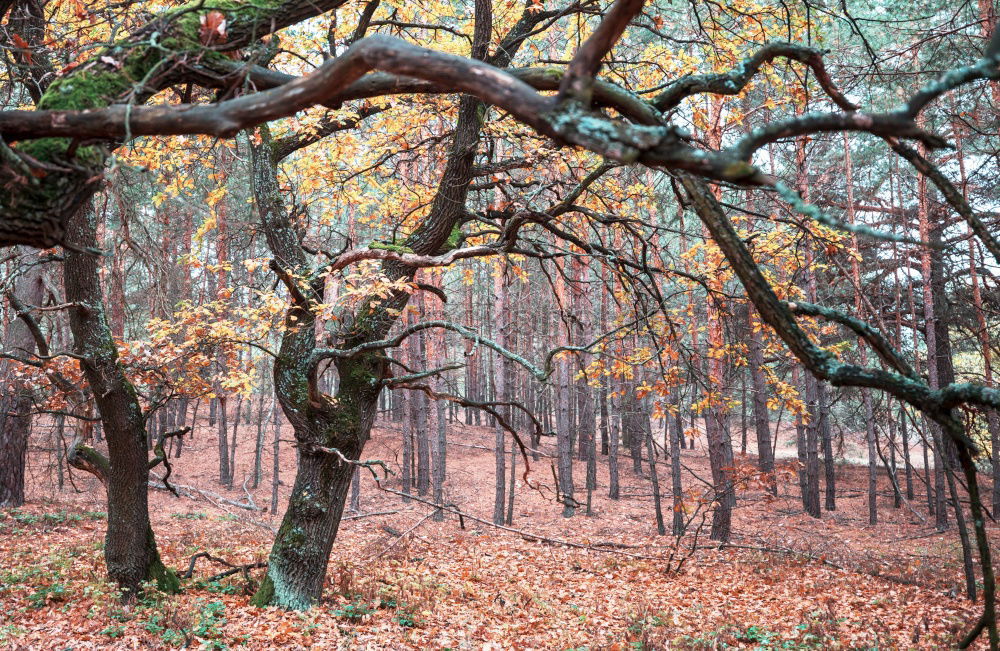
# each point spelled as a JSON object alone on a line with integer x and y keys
{"x": 401, "y": 580}
{"x": 548, "y": 324}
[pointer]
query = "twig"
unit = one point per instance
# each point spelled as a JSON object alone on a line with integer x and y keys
{"x": 370, "y": 515}
{"x": 526, "y": 535}
{"x": 773, "y": 550}
{"x": 214, "y": 498}
{"x": 233, "y": 569}
{"x": 402, "y": 535}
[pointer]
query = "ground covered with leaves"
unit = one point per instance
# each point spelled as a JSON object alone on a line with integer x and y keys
{"x": 399, "y": 579}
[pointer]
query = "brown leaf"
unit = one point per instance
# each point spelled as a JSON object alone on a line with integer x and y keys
{"x": 213, "y": 28}
{"x": 23, "y": 48}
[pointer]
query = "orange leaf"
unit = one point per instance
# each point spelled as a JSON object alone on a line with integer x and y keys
{"x": 22, "y": 45}
{"x": 213, "y": 28}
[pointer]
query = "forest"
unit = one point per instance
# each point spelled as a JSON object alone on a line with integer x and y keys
{"x": 489, "y": 324}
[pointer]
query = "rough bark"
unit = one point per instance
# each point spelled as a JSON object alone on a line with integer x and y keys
{"x": 761, "y": 420}
{"x": 15, "y": 405}
{"x": 324, "y": 428}
{"x": 130, "y": 71}
{"x": 130, "y": 547}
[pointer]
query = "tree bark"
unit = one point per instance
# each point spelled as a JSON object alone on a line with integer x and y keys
{"x": 130, "y": 547}
{"x": 15, "y": 405}
{"x": 761, "y": 420}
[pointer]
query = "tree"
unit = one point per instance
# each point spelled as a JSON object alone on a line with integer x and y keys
{"x": 585, "y": 112}
{"x": 17, "y": 402}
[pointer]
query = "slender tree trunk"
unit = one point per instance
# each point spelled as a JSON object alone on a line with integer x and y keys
{"x": 765, "y": 455}
{"x": 676, "y": 486}
{"x": 866, "y": 398}
{"x": 514, "y": 451}
{"x": 800, "y": 449}
{"x": 224, "y": 472}
{"x": 356, "y": 491}
{"x": 812, "y": 504}
{"x": 423, "y": 428}
{"x": 275, "y": 455}
{"x": 907, "y": 466}
{"x": 500, "y": 289}
{"x": 614, "y": 439}
{"x": 57, "y": 444}
{"x": 654, "y": 479}
{"x": 564, "y": 442}
{"x": 440, "y": 460}
{"x": 897, "y": 497}
{"x": 720, "y": 454}
{"x": 602, "y": 403}
{"x": 15, "y": 404}
{"x": 258, "y": 448}
{"x": 826, "y": 439}
{"x": 232, "y": 444}
{"x": 407, "y": 430}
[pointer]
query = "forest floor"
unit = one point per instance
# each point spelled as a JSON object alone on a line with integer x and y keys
{"x": 400, "y": 580}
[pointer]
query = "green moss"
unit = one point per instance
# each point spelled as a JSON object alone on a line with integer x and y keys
{"x": 739, "y": 170}
{"x": 92, "y": 457}
{"x": 358, "y": 374}
{"x": 265, "y": 593}
{"x": 166, "y": 579}
{"x": 454, "y": 238}
{"x": 85, "y": 90}
{"x": 96, "y": 84}
{"x": 386, "y": 246}
{"x": 186, "y": 19}
{"x": 55, "y": 149}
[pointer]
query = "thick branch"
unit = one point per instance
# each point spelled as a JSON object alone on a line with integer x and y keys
{"x": 410, "y": 259}
{"x": 875, "y": 339}
{"x": 587, "y": 61}
{"x": 950, "y": 192}
{"x": 734, "y": 81}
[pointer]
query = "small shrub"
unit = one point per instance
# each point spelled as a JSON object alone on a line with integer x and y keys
{"x": 353, "y": 611}
{"x": 40, "y": 598}
{"x": 114, "y": 631}
{"x": 218, "y": 587}
{"x": 197, "y": 515}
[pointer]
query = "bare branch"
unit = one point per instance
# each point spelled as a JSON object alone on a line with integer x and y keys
{"x": 734, "y": 81}
{"x": 586, "y": 62}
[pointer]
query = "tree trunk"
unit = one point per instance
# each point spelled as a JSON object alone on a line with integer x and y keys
{"x": 866, "y": 398}
{"x": 232, "y": 443}
{"x": 811, "y": 500}
{"x": 407, "y": 431}
{"x": 765, "y": 456}
{"x": 423, "y": 428}
{"x": 613, "y": 439}
{"x": 675, "y": 472}
{"x": 826, "y": 439}
{"x": 564, "y": 442}
{"x": 258, "y": 448}
{"x": 654, "y": 479}
{"x": 356, "y": 491}
{"x": 720, "y": 454}
{"x": 275, "y": 455}
{"x": 500, "y": 289}
{"x": 129, "y": 548}
{"x": 15, "y": 405}
{"x": 897, "y": 496}
{"x": 441, "y": 460}
{"x": 224, "y": 474}
{"x": 329, "y": 430}
{"x": 907, "y": 466}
